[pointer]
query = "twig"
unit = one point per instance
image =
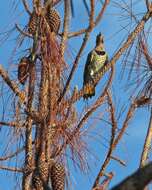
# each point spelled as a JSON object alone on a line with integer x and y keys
{"x": 22, "y": 32}
{"x": 147, "y": 4}
{"x": 102, "y": 12}
{"x": 11, "y": 124}
{"x": 146, "y": 54}
{"x": 26, "y": 7}
{"x": 11, "y": 169}
{"x": 56, "y": 2}
{"x": 12, "y": 154}
{"x": 65, "y": 26}
{"x": 118, "y": 160}
{"x": 105, "y": 183}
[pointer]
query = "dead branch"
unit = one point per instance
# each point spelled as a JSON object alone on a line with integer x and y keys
{"x": 146, "y": 53}
{"x": 147, "y": 144}
{"x": 10, "y": 124}
{"x": 26, "y": 7}
{"x": 113, "y": 119}
{"x": 105, "y": 183}
{"x": 138, "y": 180}
{"x": 142, "y": 101}
{"x": 118, "y": 160}
{"x": 23, "y": 32}
{"x": 11, "y": 169}
{"x": 13, "y": 86}
{"x": 65, "y": 26}
{"x": 12, "y": 154}
{"x": 147, "y": 4}
{"x": 28, "y": 133}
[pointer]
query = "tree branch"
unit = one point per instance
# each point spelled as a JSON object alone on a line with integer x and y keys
{"x": 65, "y": 26}
{"x": 12, "y": 154}
{"x": 147, "y": 144}
{"x": 138, "y": 180}
{"x": 11, "y": 124}
{"x": 26, "y": 7}
{"x": 22, "y": 32}
{"x": 11, "y": 169}
{"x": 13, "y": 86}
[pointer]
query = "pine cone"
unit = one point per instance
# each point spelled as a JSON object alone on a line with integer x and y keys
{"x": 58, "y": 176}
{"x": 23, "y": 70}
{"x": 37, "y": 183}
{"x": 32, "y": 23}
{"x": 53, "y": 20}
{"x": 40, "y": 175}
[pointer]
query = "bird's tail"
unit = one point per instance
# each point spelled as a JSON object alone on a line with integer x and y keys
{"x": 89, "y": 92}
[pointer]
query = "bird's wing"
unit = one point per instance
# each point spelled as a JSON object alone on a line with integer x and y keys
{"x": 87, "y": 69}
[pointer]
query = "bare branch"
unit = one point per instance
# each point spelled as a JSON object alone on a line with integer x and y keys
{"x": 118, "y": 160}
{"x": 11, "y": 169}
{"x": 146, "y": 53}
{"x": 105, "y": 183}
{"x": 22, "y": 32}
{"x": 12, "y": 154}
{"x": 13, "y": 86}
{"x": 28, "y": 133}
{"x": 26, "y": 7}
{"x": 138, "y": 180}
{"x": 99, "y": 17}
{"x": 147, "y": 145}
{"x": 65, "y": 25}
{"x": 113, "y": 119}
{"x": 10, "y": 124}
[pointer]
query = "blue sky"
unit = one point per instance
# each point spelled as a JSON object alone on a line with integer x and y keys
{"x": 130, "y": 147}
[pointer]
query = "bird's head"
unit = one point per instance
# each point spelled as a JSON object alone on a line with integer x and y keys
{"x": 99, "y": 39}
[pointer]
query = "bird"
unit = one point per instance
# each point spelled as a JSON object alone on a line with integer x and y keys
{"x": 96, "y": 60}
{"x": 23, "y": 69}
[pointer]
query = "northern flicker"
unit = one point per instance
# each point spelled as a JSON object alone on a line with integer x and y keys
{"x": 96, "y": 60}
{"x": 23, "y": 70}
